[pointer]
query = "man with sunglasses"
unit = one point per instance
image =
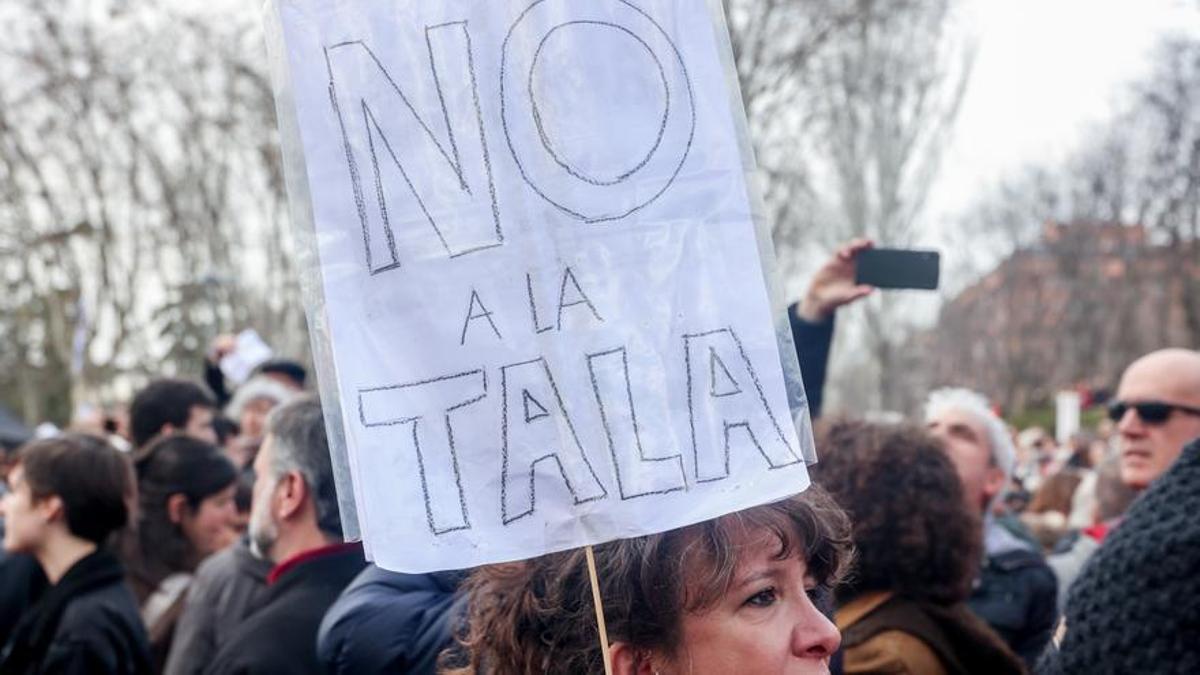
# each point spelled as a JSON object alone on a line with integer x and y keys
{"x": 1133, "y": 607}
{"x": 1157, "y": 412}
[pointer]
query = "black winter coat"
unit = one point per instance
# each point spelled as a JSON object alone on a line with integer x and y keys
{"x": 86, "y": 623}
{"x": 22, "y": 582}
{"x": 387, "y": 622}
{"x": 1017, "y": 595}
{"x": 281, "y": 636}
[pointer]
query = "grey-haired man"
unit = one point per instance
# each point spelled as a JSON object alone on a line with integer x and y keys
{"x": 1016, "y": 593}
{"x": 295, "y": 523}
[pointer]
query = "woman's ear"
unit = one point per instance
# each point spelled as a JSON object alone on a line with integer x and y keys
{"x": 176, "y": 507}
{"x": 626, "y": 660}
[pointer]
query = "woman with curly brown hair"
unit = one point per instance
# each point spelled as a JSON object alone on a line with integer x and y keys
{"x": 740, "y": 593}
{"x": 903, "y": 609}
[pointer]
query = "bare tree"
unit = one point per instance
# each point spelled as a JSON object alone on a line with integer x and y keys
{"x": 886, "y": 100}
{"x": 776, "y": 44}
{"x": 140, "y": 196}
{"x": 1170, "y": 107}
{"x": 1099, "y": 256}
{"x": 850, "y": 103}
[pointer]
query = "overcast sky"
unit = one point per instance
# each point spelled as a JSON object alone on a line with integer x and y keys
{"x": 1047, "y": 71}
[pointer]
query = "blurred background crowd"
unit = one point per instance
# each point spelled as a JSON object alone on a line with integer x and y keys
{"x": 201, "y": 526}
{"x": 1003, "y": 484}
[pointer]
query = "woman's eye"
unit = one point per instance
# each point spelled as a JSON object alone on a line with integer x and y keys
{"x": 764, "y": 598}
{"x": 818, "y": 595}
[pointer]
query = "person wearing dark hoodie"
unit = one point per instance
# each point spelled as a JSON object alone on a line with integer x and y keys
{"x": 388, "y": 622}
{"x": 295, "y": 523}
{"x": 69, "y": 494}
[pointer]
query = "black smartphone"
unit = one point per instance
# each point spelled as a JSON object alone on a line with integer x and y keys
{"x": 898, "y": 268}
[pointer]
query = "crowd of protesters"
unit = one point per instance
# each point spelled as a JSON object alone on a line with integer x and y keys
{"x": 200, "y": 533}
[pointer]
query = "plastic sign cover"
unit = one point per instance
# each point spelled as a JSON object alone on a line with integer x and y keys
{"x": 538, "y": 272}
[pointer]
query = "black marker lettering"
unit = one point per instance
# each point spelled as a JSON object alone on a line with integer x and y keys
{"x": 718, "y": 406}
{"x": 424, "y": 161}
{"x": 533, "y": 306}
{"x": 721, "y": 382}
{"x": 429, "y": 406}
{"x": 484, "y": 313}
{"x": 578, "y": 193}
{"x": 581, "y": 298}
{"x": 637, "y": 474}
{"x": 532, "y": 445}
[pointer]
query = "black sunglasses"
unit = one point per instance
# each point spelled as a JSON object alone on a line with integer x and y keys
{"x": 1151, "y": 412}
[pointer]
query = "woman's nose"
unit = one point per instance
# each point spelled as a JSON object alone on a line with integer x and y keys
{"x": 815, "y": 636}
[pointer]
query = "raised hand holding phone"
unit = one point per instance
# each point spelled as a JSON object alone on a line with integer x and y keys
{"x": 834, "y": 284}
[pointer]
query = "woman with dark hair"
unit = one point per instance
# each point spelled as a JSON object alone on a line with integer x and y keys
{"x": 740, "y": 593}
{"x": 68, "y": 495}
{"x": 919, "y": 548}
{"x": 186, "y": 512}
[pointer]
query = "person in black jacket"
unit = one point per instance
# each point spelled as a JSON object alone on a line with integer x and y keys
{"x": 68, "y": 495}
{"x": 21, "y": 578}
{"x": 295, "y": 522}
{"x": 22, "y": 582}
{"x": 388, "y": 622}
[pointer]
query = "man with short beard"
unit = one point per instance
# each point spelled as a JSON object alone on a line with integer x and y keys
{"x": 295, "y": 523}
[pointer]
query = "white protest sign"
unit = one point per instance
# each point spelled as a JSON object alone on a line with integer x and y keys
{"x": 542, "y": 291}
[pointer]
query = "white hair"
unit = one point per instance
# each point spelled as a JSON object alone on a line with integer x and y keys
{"x": 258, "y": 387}
{"x": 1004, "y": 455}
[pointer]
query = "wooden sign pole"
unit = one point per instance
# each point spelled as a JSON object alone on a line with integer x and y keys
{"x": 591, "y": 564}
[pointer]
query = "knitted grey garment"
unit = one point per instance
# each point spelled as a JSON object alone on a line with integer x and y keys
{"x": 1136, "y": 606}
